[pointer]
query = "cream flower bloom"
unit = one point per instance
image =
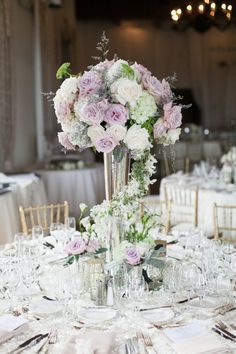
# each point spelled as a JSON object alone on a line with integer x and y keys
{"x": 126, "y": 91}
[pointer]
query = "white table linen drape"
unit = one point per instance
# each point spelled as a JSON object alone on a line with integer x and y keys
{"x": 29, "y": 191}
{"x": 77, "y": 186}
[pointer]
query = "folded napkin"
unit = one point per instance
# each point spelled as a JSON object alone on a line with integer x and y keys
{"x": 90, "y": 342}
{"x": 194, "y": 339}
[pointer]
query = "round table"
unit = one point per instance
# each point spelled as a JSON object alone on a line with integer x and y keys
{"x": 210, "y": 191}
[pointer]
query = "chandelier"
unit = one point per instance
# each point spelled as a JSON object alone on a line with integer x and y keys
{"x": 202, "y": 15}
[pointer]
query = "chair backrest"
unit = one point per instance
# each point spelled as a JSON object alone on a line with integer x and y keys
{"x": 162, "y": 208}
{"x": 43, "y": 215}
{"x": 225, "y": 222}
{"x": 183, "y": 204}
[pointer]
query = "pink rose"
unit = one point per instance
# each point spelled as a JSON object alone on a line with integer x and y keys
{"x": 160, "y": 90}
{"x": 106, "y": 142}
{"x": 140, "y": 70}
{"x": 91, "y": 114}
{"x": 104, "y": 65}
{"x": 92, "y": 245}
{"x": 116, "y": 114}
{"x": 172, "y": 116}
{"x": 62, "y": 110}
{"x": 132, "y": 256}
{"x": 159, "y": 128}
{"x": 77, "y": 246}
{"x": 64, "y": 141}
{"x": 89, "y": 83}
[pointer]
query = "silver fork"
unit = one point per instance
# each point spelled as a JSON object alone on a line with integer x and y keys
{"x": 147, "y": 340}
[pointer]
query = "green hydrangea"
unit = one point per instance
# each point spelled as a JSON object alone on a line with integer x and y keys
{"x": 144, "y": 109}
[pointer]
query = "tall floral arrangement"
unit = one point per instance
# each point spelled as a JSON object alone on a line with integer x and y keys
{"x": 117, "y": 106}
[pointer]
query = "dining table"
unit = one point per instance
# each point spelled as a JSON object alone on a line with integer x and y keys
{"x": 211, "y": 190}
{"x": 23, "y": 190}
{"x": 66, "y": 321}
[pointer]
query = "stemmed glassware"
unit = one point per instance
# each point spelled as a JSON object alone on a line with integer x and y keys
{"x": 70, "y": 227}
{"x": 57, "y": 231}
{"x": 136, "y": 286}
{"x": 120, "y": 282}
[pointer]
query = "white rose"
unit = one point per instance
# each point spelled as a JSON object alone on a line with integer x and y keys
{"x": 119, "y": 131}
{"x": 70, "y": 85}
{"x": 173, "y": 135}
{"x": 94, "y": 132}
{"x": 115, "y": 71}
{"x": 137, "y": 138}
{"x": 126, "y": 91}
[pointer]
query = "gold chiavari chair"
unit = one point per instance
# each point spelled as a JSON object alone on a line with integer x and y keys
{"x": 43, "y": 215}
{"x": 225, "y": 222}
{"x": 183, "y": 206}
{"x": 162, "y": 208}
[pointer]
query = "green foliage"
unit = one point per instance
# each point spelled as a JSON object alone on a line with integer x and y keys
{"x": 127, "y": 71}
{"x": 64, "y": 71}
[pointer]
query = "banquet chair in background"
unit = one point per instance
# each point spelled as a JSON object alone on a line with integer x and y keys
{"x": 183, "y": 207}
{"x": 43, "y": 215}
{"x": 225, "y": 222}
{"x": 154, "y": 204}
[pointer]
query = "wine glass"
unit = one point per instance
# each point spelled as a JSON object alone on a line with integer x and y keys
{"x": 57, "y": 230}
{"x": 71, "y": 226}
{"x": 136, "y": 287}
{"x": 37, "y": 237}
{"x": 120, "y": 279}
{"x": 20, "y": 240}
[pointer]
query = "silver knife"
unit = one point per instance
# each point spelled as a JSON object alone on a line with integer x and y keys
{"x": 29, "y": 343}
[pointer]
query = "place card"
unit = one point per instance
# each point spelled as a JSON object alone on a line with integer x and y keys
{"x": 9, "y": 322}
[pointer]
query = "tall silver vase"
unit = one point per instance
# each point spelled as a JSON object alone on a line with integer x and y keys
{"x": 116, "y": 173}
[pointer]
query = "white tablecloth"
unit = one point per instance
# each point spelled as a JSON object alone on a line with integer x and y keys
{"x": 85, "y": 185}
{"x": 28, "y": 191}
{"x": 210, "y": 191}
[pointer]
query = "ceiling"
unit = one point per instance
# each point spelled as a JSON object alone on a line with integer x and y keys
{"x": 157, "y": 11}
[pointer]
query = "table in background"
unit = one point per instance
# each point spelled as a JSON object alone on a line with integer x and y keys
{"x": 210, "y": 191}
{"x": 28, "y": 191}
{"x": 76, "y": 186}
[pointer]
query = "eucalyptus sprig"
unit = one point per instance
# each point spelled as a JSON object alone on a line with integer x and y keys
{"x": 102, "y": 48}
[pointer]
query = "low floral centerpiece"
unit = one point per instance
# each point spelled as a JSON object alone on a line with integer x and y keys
{"x": 119, "y": 108}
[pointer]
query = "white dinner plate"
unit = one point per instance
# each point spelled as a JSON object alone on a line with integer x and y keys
{"x": 158, "y": 316}
{"x": 42, "y": 307}
{"x": 207, "y": 303}
{"x": 96, "y": 315}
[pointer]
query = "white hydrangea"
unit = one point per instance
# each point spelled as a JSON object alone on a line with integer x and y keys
{"x": 145, "y": 108}
{"x": 69, "y": 125}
